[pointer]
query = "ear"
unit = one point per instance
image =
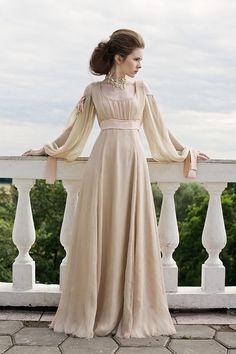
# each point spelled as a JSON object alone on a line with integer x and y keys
{"x": 118, "y": 59}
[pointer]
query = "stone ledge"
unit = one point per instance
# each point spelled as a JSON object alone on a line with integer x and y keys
{"x": 186, "y": 297}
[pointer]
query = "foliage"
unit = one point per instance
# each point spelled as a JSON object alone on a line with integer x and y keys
{"x": 228, "y": 199}
{"x": 48, "y": 203}
{"x": 190, "y": 253}
{"x": 7, "y": 250}
{"x": 191, "y": 206}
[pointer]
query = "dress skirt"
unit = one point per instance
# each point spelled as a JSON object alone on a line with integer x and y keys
{"x": 113, "y": 281}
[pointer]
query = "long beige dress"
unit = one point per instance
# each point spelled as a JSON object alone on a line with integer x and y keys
{"x": 113, "y": 283}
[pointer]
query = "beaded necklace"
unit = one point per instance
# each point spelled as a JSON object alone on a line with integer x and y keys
{"x": 115, "y": 81}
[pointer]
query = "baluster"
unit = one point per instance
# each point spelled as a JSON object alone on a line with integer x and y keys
{"x": 169, "y": 235}
{"x": 214, "y": 240}
{"x": 23, "y": 237}
{"x": 72, "y": 188}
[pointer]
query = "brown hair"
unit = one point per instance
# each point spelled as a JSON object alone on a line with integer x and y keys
{"x": 122, "y": 42}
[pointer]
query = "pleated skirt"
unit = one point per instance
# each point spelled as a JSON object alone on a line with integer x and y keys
{"x": 113, "y": 281}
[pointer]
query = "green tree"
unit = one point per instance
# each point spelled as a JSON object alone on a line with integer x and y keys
{"x": 8, "y": 250}
{"x": 190, "y": 253}
{"x": 191, "y": 200}
{"x": 48, "y": 203}
{"x": 228, "y": 253}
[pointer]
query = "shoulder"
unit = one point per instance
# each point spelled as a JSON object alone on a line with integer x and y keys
{"x": 145, "y": 87}
{"x": 88, "y": 89}
{"x": 91, "y": 88}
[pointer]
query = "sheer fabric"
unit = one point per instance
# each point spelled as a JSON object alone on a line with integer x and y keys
{"x": 155, "y": 129}
{"x": 81, "y": 123}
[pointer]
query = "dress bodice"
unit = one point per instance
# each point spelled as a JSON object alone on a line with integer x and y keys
{"x": 139, "y": 110}
{"x": 111, "y": 108}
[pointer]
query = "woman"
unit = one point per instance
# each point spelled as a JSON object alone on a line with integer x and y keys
{"x": 114, "y": 280}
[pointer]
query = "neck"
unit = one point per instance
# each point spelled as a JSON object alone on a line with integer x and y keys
{"x": 116, "y": 75}
{"x": 116, "y": 81}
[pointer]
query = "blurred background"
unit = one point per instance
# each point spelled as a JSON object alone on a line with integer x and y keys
{"x": 189, "y": 64}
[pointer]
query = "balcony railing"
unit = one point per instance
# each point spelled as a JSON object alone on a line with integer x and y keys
{"x": 213, "y": 175}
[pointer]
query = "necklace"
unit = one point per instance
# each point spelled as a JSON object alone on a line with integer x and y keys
{"x": 116, "y": 81}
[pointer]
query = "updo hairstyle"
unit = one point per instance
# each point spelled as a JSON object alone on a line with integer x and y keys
{"x": 122, "y": 42}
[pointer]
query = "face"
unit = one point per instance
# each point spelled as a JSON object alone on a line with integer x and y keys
{"x": 131, "y": 64}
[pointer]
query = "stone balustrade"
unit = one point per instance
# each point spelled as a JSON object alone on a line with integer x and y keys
{"x": 212, "y": 174}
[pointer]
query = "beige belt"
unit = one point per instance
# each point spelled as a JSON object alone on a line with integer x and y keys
{"x": 120, "y": 124}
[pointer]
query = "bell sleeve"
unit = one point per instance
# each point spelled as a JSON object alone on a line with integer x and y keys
{"x": 160, "y": 144}
{"x": 80, "y": 124}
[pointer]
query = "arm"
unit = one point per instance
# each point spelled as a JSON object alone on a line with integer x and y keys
{"x": 175, "y": 142}
{"x": 61, "y": 140}
{"x": 63, "y": 137}
{"x": 162, "y": 143}
{"x": 180, "y": 147}
{"x": 58, "y": 142}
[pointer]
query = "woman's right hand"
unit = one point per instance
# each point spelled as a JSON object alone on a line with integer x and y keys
{"x": 37, "y": 152}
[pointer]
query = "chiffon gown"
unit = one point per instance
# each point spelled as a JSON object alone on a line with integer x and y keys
{"x": 113, "y": 282}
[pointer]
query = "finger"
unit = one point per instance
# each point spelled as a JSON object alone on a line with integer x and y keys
{"x": 202, "y": 154}
{"x": 26, "y": 152}
{"x": 201, "y": 157}
{"x": 205, "y": 156}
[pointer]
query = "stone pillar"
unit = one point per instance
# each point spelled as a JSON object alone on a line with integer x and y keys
{"x": 23, "y": 237}
{"x": 214, "y": 240}
{"x": 169, "y": 235}
{"x": 72, "y": 188}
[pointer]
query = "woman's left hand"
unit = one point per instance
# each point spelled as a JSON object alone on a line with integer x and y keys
{"x": 202, "y": 156}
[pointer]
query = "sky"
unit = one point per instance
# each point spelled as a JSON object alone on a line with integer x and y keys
{"x": 189, "y": 64}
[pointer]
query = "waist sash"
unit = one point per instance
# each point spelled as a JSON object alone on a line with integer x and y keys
{"x": 120, "y": 124}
